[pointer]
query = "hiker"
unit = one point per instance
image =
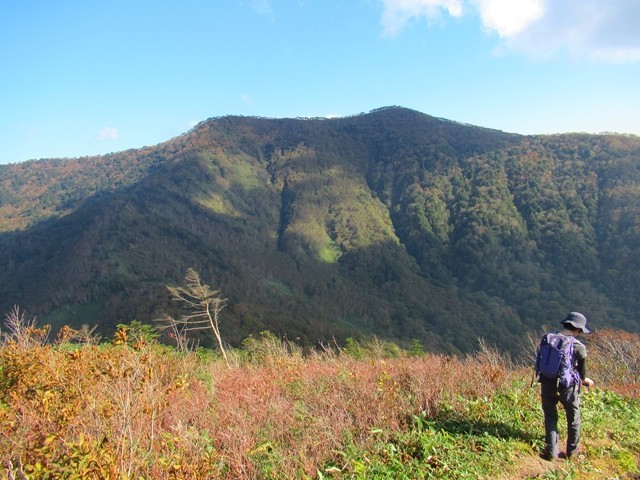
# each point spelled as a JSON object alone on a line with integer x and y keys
{"x": 565, "y": 387}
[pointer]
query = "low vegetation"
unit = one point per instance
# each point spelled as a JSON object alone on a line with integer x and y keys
{"x": 131, "y": 408}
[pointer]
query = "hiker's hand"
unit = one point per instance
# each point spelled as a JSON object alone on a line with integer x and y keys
{"x": 587, "y": 382}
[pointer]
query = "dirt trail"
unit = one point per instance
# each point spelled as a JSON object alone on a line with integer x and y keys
{"x": 530, "y": 468}
{"x": 533, "y": 467}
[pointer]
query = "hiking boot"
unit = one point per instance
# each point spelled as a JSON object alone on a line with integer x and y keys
{"x": 548, "y": 457}
{"x": 573, "y": 454}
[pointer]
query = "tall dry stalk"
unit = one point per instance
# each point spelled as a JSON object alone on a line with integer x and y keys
{"x": 614, "y": 357}
{"x": 22, "y": 331}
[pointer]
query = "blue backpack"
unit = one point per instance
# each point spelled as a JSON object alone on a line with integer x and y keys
{"x": 555, "y": 360}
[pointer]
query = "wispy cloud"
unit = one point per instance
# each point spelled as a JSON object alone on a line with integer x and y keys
{"x": 397, "y": 13}
{"x": 246, "y": 99}
{"x": 260, "y": 7}
{"x": 583, "y": 29}
{"x": 107, "y": 134}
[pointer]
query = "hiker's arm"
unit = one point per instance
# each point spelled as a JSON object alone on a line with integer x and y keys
{"x": 581, "y": 367}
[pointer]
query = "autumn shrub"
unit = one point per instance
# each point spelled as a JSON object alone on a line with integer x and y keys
{"x": 139, "y": 409}
{"x": 112, "y": 397}
{"x": 267, "y": 348}
{"x": 614, "y": 360}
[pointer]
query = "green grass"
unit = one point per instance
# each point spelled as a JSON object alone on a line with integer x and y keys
{"x": 329, "y": 253}
{"x": 499, "y": 437}
{"x": 218, "y": 204}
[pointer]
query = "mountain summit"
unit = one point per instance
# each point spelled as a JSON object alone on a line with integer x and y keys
{"x": 392, "y": 223}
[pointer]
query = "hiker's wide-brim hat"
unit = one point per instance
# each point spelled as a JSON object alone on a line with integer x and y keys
{"x": 577, "y": 320}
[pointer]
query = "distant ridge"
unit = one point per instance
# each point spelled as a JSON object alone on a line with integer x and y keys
{"x": 392, "y": 223}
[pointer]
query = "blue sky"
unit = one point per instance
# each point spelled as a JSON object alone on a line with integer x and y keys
{"x": 95, "y": 76}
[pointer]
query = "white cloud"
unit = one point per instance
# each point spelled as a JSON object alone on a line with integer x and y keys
{"x": 583, "y": 29}
{"x": 509, "y": 17}
{"x": 107, "y": 134}
{"x": 246, "y": 99}
{"x": 397, "y": 13}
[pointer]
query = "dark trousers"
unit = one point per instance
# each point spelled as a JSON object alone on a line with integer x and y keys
{"x": 570, "y": 400}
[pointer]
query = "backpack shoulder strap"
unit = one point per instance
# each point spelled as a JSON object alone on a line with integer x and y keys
{"x": 571, "y": 345}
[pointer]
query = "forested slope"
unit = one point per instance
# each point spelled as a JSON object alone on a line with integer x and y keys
{"x": 391, "y": 223}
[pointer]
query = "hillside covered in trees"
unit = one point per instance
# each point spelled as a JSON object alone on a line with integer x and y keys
{"x": 392, "y": 223}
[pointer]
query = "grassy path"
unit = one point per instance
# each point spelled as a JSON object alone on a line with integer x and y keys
{"x": 499, "y": 437}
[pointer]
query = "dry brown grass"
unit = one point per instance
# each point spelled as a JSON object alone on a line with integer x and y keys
{"x": 116, "y": 411}
{"x": 147, "y": 411}
{"x": 614, "y": 360}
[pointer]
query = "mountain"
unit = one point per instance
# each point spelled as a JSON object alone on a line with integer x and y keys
{"x": 392, "y": 223}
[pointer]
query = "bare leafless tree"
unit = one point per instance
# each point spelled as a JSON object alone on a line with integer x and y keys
{"x": 205, "y": 305}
